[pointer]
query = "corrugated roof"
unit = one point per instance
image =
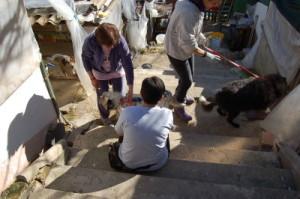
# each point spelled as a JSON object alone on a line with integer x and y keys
{"x": 87, "y": 11}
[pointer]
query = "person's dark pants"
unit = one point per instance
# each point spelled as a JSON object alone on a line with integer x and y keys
{"x": 185, "y": 71}
{"x": 118, "y": 85}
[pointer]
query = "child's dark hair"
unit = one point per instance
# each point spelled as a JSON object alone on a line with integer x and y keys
{"x": 152, "y": 89}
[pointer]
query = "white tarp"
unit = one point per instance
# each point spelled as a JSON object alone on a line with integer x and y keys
{"x": 283, "y": 42}
{"x": 19, "y": 54}
{"x": 284, "y": 120}
{"x": 137, "y": 24}
{"x": 115, "y": 14}
{"x": 78, "y": 34}
{"x": 43, "y": 3}
{"x": 260, "y": 12}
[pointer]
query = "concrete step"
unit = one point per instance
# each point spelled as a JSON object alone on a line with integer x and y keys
{"x": 211, "y": 81}
{"x": 244, "y": 176}
{"x": 99, "y": 136}
{"x": 161, "y": 73}
{"x": 55, "y": 194}
{"x": 225, "y": 156}
{"x": 150, "y": 72}
{"x": 217, "y": 150}
{"x": 170, "y": 84}
{"x": 220, "y": 142}
{"x": 212, "y": 149}
{"x": 109, "y": 184}
{"x": 193, "y": 91}
{"x": 211, "y": 73}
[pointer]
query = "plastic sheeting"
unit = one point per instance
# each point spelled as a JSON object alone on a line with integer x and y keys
{"x": 259, "y": 10}
{"x": 264, "y": 62}
{"x": 128, "y": 8}
{"x": 136, "y": 26}
{"x": 44, "y": 3}
{"x": 283, "y": 42}
{"x": 115, "y": 14}
{"x": 284, "y": 121}
{"x": 19, "y": 55}
{"x": 78, "y": 34}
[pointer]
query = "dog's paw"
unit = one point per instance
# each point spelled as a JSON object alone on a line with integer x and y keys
{"x": 235, "y": 125}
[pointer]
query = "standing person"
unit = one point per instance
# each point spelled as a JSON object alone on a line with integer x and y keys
{"x": 181, "y": 43}
{"x": 144, "y": 131}
{"x": 107, "y": 60}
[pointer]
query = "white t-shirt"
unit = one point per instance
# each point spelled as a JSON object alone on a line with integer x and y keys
{"x": 145, "y": 131}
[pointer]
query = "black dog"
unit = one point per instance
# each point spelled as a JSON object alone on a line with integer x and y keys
{"x": 249, "y": 94}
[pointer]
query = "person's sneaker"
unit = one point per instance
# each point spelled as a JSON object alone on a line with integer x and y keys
{"x": 180, "y": 112}
{"x": 189, "y": 100}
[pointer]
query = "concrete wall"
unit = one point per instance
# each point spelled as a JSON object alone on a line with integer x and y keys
{"x": 26, "y": 111}
{"x": 25, "y": 118}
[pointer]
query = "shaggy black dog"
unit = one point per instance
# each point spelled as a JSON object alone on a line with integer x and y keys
{"x": 249, "y": 94}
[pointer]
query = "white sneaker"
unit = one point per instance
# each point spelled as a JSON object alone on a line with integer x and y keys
{"x": 177, "y": 104}
{"x": 202, "y": 99}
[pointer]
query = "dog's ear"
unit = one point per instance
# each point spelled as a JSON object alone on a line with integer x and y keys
{"x": 284, "y": 79}
{"x": 281, "y": 86}
{"x": 64, "y": 61}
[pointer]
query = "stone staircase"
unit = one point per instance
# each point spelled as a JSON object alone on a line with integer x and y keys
{"x": 209, "y": 159}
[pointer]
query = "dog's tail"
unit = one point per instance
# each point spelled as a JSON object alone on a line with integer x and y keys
{"x": 207, "y": 104}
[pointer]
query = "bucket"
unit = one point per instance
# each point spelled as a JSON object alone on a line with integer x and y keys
{"x": 160, "y": 38}
{"x": 215, "y": 39}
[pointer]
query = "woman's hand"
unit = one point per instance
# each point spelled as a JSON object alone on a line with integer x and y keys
{"x": 204, "y": 53}
{"x": 213, "y": 57}
{"x": 129, "y": 94}
{"x": 94, "y": 82}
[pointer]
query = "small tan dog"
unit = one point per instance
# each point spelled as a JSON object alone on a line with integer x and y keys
{"x": 65, "y": 64}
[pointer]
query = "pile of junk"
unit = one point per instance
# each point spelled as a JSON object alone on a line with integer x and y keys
{"x": 235, "y": 27}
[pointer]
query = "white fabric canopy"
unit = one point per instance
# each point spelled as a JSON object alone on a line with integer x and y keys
{"x": 19, "y": 54}
{"x": 280, "y": 45}
{"x": 284, "y": 42}
{"x": 42, "y": 3}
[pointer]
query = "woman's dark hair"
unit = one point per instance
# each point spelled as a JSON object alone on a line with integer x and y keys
{"x": 152, "y": 89}
{"x": 107, "y": 34}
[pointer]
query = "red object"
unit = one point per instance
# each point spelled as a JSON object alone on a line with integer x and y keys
{"x": 243, "y": 68}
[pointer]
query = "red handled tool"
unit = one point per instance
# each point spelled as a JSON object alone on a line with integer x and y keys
{"x": 243, "y": 68}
